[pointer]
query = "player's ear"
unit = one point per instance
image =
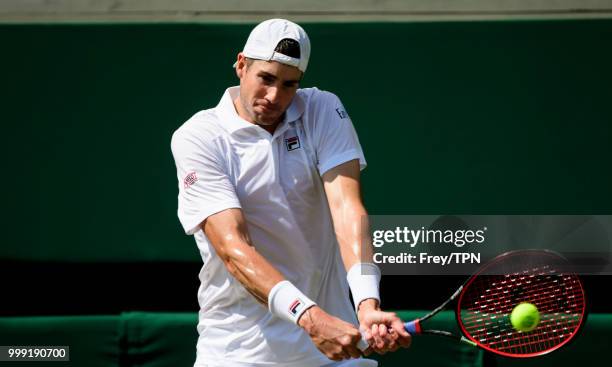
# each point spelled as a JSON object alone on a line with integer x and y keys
{"x": 241, "y": 64}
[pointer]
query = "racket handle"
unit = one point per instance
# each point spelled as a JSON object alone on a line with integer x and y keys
{"x": 363, "y": 344}
{"x": 413, "y": 327}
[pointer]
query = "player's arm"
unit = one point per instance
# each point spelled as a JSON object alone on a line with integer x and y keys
{"x": 343, "y": 190}
{"x": 228, "y": 234}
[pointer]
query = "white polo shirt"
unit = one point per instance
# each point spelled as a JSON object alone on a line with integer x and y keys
{"x": 226, "y": 162}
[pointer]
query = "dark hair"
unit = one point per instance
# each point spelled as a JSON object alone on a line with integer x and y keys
{"x": 288, "y": 47}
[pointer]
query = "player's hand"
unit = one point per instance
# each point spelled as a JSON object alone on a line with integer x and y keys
{"x": 335, "y": 338}
{"x": 384, "y": 331}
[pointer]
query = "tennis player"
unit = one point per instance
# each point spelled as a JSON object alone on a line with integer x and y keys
{"x": 269, "y": 187}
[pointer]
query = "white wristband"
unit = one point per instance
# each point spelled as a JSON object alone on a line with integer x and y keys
{"x": 287, "y": 302}
{"x": 363, "y": 279}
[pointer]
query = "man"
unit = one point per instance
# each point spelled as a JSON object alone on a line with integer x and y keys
{"x": 269, "y": 187}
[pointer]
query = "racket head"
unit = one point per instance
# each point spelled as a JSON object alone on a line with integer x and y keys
{"x": 541, "y": 277}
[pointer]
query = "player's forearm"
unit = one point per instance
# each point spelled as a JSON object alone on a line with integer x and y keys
{"x": 252, "y": 270}
{"x": 351, "y": 225}
{"x": 353, "y": 235}
{"x": 228, "y": 234}
{"x": 349, "y": 216}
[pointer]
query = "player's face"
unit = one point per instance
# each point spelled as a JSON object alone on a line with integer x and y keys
{"x": 266, "y": 90}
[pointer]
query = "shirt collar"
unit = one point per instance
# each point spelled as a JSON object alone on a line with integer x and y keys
{"x": 232, "y": 122}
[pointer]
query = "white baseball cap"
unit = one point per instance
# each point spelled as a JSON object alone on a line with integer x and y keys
{"x": 265, "y": 37}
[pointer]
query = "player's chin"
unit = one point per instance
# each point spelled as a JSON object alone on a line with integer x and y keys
{"x": 266, "y": 119}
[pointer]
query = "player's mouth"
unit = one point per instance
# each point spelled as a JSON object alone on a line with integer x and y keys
{"x": 267, "y": 109}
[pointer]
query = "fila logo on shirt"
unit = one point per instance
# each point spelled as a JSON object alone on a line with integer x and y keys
{"x": 190, "y": 179}
{"x": 296, "y": 306}
{"x": 292, "y": 143}
{"x": 342, "y": 113}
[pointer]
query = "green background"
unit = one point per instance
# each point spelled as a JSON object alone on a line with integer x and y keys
{"x": 454, "y": 117}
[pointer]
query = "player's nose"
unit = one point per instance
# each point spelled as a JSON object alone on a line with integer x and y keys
{"x": 272, "y": 95}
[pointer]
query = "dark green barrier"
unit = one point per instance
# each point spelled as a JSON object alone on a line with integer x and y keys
{"x": 93, "y": 340}
{"x": 169, "y": 339}
{"x": 465, "y": 117}
{"x": 158, "y": 339}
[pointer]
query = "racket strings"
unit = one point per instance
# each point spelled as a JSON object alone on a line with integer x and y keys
{"x": 489, "y": 299}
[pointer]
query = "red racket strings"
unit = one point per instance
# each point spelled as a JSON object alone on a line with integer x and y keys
{"x": 488, "y": 300}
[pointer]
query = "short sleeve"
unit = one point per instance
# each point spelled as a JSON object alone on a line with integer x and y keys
{"x": 335, "y": 138}
{"x": 203, "y": 182}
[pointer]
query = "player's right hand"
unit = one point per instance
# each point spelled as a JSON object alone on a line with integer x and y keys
{"x": 384, "y": 331}
{"x": 335, "y": 338}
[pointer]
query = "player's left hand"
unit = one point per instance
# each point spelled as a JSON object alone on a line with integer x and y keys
{"x": 384, "y": 331}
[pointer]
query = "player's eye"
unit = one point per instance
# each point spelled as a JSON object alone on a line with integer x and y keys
{"x": 267, "y": 79}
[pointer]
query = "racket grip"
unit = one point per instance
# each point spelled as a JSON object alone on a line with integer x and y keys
{"x": 363, "y": 344}
{"x": 413, "y": 327}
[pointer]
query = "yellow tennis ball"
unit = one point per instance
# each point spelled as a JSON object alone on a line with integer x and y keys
{"x": 525, "y": 316}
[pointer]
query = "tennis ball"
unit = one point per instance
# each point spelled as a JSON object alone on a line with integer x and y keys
{"x": 525, "y": 316}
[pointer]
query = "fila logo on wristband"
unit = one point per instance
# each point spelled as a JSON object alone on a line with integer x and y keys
{"x": 287, "y": 302}
{"x": 296, "y": 306}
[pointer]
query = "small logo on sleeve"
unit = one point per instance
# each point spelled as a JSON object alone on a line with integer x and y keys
{"x": 292, "y": 143}
{"x": 342, "y": 113}
{"x": 296, "y": 306}
{"x": 190, "y": 179}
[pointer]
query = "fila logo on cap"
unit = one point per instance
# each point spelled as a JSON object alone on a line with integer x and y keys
{"x": 296, "y": 306}
{"x": 292, "y": 143}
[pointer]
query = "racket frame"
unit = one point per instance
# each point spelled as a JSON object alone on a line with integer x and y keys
{"x": 415, "y": 327}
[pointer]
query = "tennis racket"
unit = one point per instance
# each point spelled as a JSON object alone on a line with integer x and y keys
{"x": 484, "y": 303}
